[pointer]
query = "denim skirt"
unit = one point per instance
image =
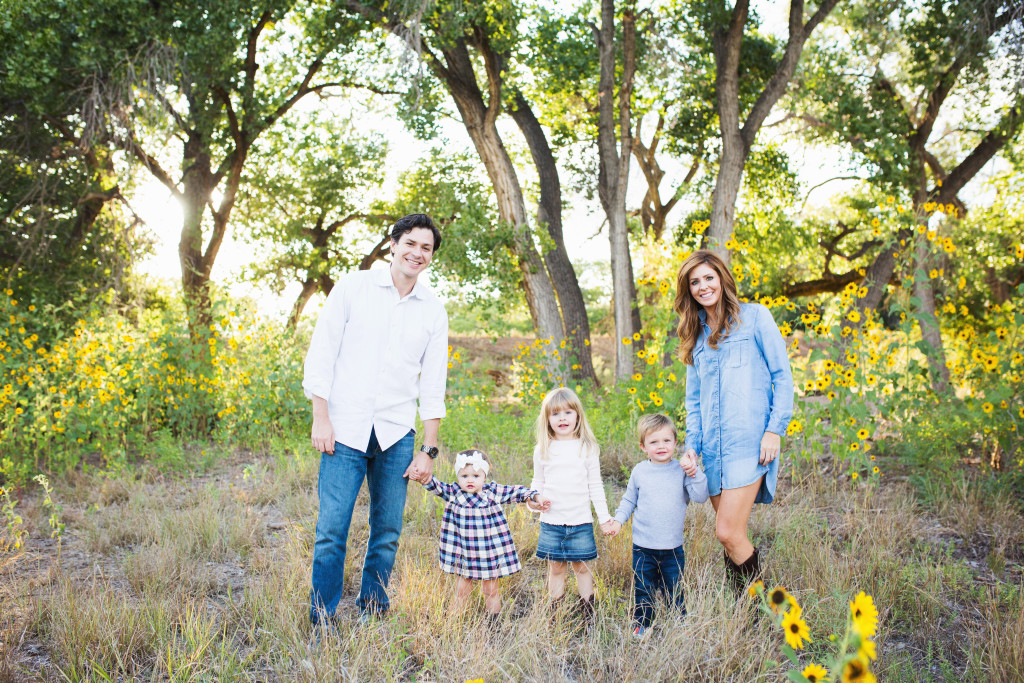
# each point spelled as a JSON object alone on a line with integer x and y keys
{"x": 562, "y": 543}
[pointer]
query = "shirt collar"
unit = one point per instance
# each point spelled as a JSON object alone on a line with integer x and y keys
{"x": 382, "y": 277}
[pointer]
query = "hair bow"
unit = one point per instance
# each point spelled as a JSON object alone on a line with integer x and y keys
{"x": 475, "y": 459}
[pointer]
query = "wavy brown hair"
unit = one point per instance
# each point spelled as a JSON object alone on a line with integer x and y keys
{"x": 727, "y": 310}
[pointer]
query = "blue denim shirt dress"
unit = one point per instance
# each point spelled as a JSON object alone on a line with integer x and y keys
{"x": 734, "y": 394}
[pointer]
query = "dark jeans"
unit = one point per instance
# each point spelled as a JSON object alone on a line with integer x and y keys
{"x": 656, "y": 571}
{"x": 341, "y": 476}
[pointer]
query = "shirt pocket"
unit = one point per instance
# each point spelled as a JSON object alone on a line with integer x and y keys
{"x": 736, "y": 350}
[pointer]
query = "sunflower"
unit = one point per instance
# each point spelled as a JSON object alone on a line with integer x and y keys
{"x": 757, "y": 586}
{"x": 778, "y": 598}
{"x": 795, "y": 628}
{"x": 865, "y": 616}
{"x": 856, "y": 671}
{"x": 867, "y": 650}
{"x": 815, "y": 673}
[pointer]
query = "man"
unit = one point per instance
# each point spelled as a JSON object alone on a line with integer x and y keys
{"x": 380, "y": 344}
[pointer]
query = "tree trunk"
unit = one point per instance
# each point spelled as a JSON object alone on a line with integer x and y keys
{"x": 309, "y": 288}
{"x": 613, "y": 176}
{"x": 549, "y": 215}
{"x": 924, "y": 291}
{"x": 479, "y": 119}
{"x": 736, "y": 140}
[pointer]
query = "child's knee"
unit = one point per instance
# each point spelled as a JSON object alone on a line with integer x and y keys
{"x": 558, "y": 568}
{"x": 580, "y": 568}
{"x": 489, "y": 588}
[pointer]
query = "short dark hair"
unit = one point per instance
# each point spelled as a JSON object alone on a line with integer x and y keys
{"x": 415, "y": 220}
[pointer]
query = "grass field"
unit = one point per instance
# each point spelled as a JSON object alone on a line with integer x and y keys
{"x": 205, "y": 576}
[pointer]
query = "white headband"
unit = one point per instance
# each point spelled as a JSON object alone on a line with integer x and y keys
{"x": 474, "y": 458}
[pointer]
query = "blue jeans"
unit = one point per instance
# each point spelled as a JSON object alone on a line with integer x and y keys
{"x": 656, "y": 571}
{"x": 341, "y": 477}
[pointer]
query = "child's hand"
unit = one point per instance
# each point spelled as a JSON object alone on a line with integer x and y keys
{"x": 539, "y": 503}
{"x": 611, "y": 527}
{"x": 689, "y": 463}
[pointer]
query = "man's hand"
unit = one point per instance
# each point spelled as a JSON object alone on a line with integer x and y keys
{"x": 612, "y": 527}
{"x": 421, "y": 468}
{"x": 689, "y": 463}
{"x": 771, "y": 445}
{"x": 322, "y": 433}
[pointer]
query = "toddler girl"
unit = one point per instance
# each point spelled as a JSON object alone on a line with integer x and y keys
{"x": 567, "y": 470}
{"x": 476, "y": 543}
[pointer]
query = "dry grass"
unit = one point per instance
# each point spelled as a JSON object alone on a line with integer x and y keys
{"x": 208, "y": 579}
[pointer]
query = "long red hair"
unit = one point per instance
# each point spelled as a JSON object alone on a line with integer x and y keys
{"x": 727, "y": 309}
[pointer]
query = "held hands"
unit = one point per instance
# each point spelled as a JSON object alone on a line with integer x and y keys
{"x": 689, "y": 463}
{"x": 421, "y": 468}
{"x": 612, "y": 527}
{"x": 771, "y": 445}
{"x": 539, "y": 503}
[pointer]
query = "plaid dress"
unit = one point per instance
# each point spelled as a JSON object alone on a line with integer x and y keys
{"x": 475, "y": 539}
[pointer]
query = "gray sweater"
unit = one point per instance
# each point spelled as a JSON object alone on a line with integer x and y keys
{"x": 659, "y": 494}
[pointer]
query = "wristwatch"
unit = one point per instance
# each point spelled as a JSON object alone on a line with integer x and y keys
{"x": 429, "y": 450}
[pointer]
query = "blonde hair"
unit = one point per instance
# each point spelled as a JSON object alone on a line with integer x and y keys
{"x": 564, "y": 397}
{"x": 652, "y": 423}
{"x": 727, "y": 309}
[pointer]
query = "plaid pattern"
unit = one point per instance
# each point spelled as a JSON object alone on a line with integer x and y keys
{"x": 475, "y": 539}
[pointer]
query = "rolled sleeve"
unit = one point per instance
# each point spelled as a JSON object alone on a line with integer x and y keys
{"x": 694, "y": 432}
{"x": 434, "y": 375}
{"x": 776, "y": 356}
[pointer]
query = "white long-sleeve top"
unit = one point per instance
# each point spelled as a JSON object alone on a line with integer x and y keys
{"x": 373, "y": 354}
{"x": 572, "y": 482}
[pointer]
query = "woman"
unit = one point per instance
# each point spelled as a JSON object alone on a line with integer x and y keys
{"x": 739, "y": 400}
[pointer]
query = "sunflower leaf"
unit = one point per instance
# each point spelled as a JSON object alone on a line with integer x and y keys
{"x": 797, "y": 677}
{"x": 790, "y": 654}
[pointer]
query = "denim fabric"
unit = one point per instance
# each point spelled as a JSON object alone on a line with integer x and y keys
{"x": 566, "y": 543}
{"x": 656, "y": 571}
{"x": 734, "y": 394}
{"x": 341, "y": 477}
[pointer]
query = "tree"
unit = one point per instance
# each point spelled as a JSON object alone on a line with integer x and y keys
{"x": 60, "y": 242}
{"x": 459, "y": 44}
{"x": 908, "y": 66}
{"x": 615, "y": 146}
{"x": 727, "y": 28}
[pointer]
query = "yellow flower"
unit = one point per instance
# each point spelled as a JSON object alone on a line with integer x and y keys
{"x": 987, "y": 407}
{"x": 637, "y": 377}
{"x": 867, "y": 649}
{"x": 755, "y": 588}
{"x": 636, "y": 336}
{"x": 865, "y": 616}
{"x": 854, "y": 446}
{"x": 627, "y": 341}
{"x": 854, "y": 475}
{"x": 795, "y": 628}
{"x": 671, "y": 377}
{"x": 815, "y": 673}
{"x": 856, "y": 671}
{"x": 778, "y": 598}
{"x": 862, "y": 434}
{"x": 853, "y": 316}
{"x": 641, "y": 353}
{"x": 631, "y": 390}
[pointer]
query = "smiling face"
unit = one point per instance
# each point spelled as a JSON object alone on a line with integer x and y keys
{"x": 705, "y": 286}
{"x": 562, "y": 421}
{"x": 471, "y": 480}
{"x": 411, "y": 254}
{"x": 660, "y": 445}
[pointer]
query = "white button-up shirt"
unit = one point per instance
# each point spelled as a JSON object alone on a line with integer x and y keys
{"x": 373, "y": 353}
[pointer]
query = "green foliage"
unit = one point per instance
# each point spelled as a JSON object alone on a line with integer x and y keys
{"x": 123, "y": 388}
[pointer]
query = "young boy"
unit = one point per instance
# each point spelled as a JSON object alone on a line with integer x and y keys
{"x": 657, "y": 495}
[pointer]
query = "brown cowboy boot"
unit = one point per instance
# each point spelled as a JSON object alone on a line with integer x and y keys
{"x": 743, "y": 574}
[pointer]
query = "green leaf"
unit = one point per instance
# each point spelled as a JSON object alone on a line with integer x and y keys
{"x": 790, "y": 655}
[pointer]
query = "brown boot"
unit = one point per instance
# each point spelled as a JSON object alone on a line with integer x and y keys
{"x": 743, "y": 574}
{"x": 586, "y": 610}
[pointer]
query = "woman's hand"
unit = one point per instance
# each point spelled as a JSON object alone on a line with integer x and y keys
{"x": 771, "y": 444}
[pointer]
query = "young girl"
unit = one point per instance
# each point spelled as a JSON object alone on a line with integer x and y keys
{"x": 476, "y": 543}
{"x": 739, "y": 400}
{"x": 566, "y": 469}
